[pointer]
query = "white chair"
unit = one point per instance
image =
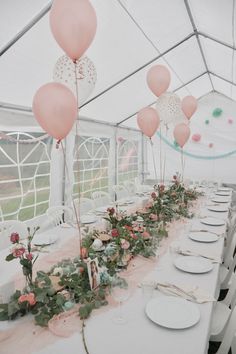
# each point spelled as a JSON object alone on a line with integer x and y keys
{"x": 9, "y": 226}
{"x": 120, "y": 191}
{"x": 229, "y": 336}
{"x": 222, "y": 311}
{"x": 233, "y": 199}
{"x": 59, "y": 214}
{"x": 142, "y": 187}
{"x": 83, "y": 205}
{"x": 226, "y": 269}
{"x": 130, "y": 186}
{"x": 101, "y": 198}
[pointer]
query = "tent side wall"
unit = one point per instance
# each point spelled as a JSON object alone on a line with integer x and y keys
{"x": 36, "y": 175}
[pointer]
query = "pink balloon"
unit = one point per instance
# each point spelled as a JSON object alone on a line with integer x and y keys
{"x": 55, "y": 108}
{"x": 73, "y": 24}
{"x": 158, "y": 79}
{"x": 148, "y": 121}
{"x": 189, "y": 106}
{"x": 181, "y": 134}
{"x": 196, "y": 137}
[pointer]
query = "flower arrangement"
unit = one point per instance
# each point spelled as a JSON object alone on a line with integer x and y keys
{"x": 24, "y": 254}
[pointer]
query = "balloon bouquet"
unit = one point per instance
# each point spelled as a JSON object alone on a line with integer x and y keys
{"x": 55, "y": 105}
{"x": 169, "y": 109}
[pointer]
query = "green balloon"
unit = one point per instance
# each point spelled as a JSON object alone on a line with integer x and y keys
{"x": 217, "y": 112}
{"x": 176, "y": 144}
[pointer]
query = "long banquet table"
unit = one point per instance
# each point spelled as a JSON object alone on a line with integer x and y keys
{"x": 139, "y": 335}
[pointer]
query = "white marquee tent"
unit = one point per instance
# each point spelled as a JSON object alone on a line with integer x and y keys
{"x": 194, "y": 39}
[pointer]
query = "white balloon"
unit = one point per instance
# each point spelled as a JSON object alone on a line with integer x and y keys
{"x": 169, "y": 109}
{"x": 86, "y": 76}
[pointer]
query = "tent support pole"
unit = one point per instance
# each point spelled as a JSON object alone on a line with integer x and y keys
{"x": 198, "y": 40}
{"x": 138, "y": 69}
{"x": 24, "y": 30}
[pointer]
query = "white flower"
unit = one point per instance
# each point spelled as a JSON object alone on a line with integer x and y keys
{"x": 58, "y": 271}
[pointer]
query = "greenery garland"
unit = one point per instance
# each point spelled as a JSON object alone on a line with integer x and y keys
{"x": 67, "y": 282}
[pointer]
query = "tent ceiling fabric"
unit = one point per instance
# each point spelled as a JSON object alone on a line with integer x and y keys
{"x": 132, "y": 36}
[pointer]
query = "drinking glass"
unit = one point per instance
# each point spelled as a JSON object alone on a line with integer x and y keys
{"x": 174, "y": 249}
{"x": 147, "y": 290}
{"x": 120, "y": 291}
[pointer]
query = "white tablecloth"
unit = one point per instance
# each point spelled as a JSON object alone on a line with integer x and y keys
{"x": 139, "y": 335}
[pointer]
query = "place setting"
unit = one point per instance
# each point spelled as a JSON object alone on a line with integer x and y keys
{"x": 172, "y": 312}
{"x": 219, "y": 208}
{"x": 174, "y": 306}
{"x": 191, "y": 261}
{"x": 220, "y": 199}
{"x": 203, "y": 236}
{"x": 212, "y": 221}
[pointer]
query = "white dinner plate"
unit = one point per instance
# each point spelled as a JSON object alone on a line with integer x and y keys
{"x": 218, "y": 208}
{"x": 125, "y": 202}
{"x": 212, "y": 221}
{"x": 202, "y": 236}
{"x": 220, "y": 199}
{"x": 223, "y": 194}
{"x": 88, "y": 219}
{"x": 224, "y": 189}
{"x": 44, "y": 239}
{"x": 193, "y": 264}
{"x": 172, "y": 312}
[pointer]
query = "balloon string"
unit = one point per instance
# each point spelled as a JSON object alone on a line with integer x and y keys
{"x": 77, "y": 212}
{"x": 58, "y": 143}
{"x": 73, "y": 203}
{"x": 160, "y": 157}
{"x": 182, "y": 164}
{"x": 153, "y": 158}
{"x": 164, "y": 167}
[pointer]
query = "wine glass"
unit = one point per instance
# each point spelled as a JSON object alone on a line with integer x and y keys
{"x": 120, "y": 291}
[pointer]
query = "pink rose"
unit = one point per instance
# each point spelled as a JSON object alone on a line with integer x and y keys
{"x": 149, "y": 204}
{"x": 84, "y": 252}
{"x": 162, "y": 187}
{"x": 146, "y": 235}
{"x": 29, "y": 256}
{"x": 153, "y": 217}
{"x": 114, "y": 233}
{"x": 135, "y": 237}
{"x": 18, "y": 252}
{"x": 153, "y": 195}
{"x": 127, "y": 227}
{"x": 124, "y": 244}
{"x": 111, "y": 211}
{"x": 14, "y": 237}
{"x": 30, "y": 298}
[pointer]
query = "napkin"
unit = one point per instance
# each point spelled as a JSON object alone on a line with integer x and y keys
{"x": 193, "y": 294}
{"x": 214, "y": 259}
